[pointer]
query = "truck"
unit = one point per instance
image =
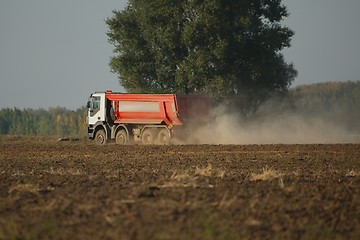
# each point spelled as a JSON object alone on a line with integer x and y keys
{"x": 127, "y": 118}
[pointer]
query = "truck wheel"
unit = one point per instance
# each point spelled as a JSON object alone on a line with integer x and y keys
{"x": 100, "y": 137}
{"x": 147, "y": 138}
{"x": 121, "y": 137}
{"x": 163, "y": 137}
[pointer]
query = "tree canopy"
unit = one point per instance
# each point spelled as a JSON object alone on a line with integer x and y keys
{"x": 230, "y": 50}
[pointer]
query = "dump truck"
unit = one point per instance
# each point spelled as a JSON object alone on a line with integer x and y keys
{"x": 142, "y": 118}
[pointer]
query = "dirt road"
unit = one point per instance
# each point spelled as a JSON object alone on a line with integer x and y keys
{"x": 76, "y": 190}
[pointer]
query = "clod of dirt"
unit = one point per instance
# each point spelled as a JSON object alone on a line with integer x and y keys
{"x": 149, "y": 192}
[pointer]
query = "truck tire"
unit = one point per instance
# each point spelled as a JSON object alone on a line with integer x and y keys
{"x": 100, "y": 137}
{"x": 121, "y": 137}
{"x": 148, "y": 137}
{"x": 163, "y": 137}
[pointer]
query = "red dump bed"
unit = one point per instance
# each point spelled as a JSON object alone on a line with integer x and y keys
{"x": 169, "y": 109}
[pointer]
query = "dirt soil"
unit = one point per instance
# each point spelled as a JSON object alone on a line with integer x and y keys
{"x": 77, "y": 190}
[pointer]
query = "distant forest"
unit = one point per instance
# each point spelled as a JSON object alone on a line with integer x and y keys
{"x": 335, "y": 102}
{"x": 338, "y": 102}
{"x": 58, "y": 121}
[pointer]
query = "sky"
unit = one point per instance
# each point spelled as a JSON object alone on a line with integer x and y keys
{"x": 55, "y": 53}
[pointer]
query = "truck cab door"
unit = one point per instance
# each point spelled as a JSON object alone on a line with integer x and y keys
{"x": 96, "y": 108}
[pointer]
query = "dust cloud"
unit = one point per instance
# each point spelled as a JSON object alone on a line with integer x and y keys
{"x": 225, "y": 128}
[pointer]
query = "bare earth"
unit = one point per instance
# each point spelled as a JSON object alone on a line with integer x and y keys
{"x": 76, "y": 190}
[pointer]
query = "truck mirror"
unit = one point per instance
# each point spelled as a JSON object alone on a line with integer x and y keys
{"x": 88, "y": 104}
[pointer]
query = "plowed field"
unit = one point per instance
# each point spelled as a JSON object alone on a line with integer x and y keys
{"x": 77, "y": 190}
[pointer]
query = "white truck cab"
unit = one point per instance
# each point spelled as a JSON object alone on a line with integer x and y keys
{"x": 96, "y": 111}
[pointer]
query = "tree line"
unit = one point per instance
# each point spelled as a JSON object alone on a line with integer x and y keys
{"x": 338, "y": 102}
{"x": 58, "y": 121}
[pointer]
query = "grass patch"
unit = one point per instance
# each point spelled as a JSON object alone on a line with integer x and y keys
{"x": 352, "y": 173}
{"x": 183, "y": 179}
{"x": 192, "y": 178}
{"x": 21, "y": 189}
{"x": 209, "y": 171}
{"x": 265, "y": 175}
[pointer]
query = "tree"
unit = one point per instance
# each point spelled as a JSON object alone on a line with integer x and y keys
{"x": 229, "y": 50}
{"x": 5, "y": 121}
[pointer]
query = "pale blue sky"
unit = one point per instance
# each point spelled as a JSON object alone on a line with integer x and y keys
{"x": 55, "y": 53}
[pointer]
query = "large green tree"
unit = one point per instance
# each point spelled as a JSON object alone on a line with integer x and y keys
{"x": 230, "y": 50}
